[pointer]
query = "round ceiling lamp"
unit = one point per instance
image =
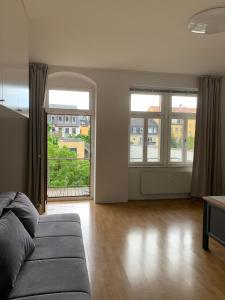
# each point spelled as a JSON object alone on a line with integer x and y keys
{"x": 208, "y": 21}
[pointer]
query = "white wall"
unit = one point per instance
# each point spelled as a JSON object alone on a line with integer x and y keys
{"x": 112, "y": 118}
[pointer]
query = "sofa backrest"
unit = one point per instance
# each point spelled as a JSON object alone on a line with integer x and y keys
{"x": 5, "y": 199}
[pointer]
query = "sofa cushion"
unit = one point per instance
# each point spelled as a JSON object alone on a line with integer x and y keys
{"x": 25, "y": 211}
{"x": 46, "y": 229}
{"x": 59, "y": 218}
{"x": 57, "y": 247}
{"x": 15, "y": 246}
{"x": 5, "y": 199}
{"x": 41, "y": 277}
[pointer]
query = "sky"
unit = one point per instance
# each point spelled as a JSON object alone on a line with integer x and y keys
{"x": 142, "y": 102}
{"x": 71, "y": 98}
{"x": 184, "y": 101}
{"x": 139, "y": 102}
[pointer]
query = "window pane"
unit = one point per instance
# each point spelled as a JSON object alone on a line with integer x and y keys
{"x": 68, "y": 99}
{"x": 190, "y": 139}
{"x": 136, "y": 139}
{"x": 154, "y": 130}
{"x": 176, "y": 140}
{"x": 184, "y": 104}
{"x": 145, "y": 102}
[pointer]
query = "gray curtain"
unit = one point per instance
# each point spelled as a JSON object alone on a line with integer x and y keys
{"x": 37, "y": 180}
{"x": 207, "y": 170}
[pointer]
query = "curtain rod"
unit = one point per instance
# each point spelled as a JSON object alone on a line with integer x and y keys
{"x": 155, "y": 90}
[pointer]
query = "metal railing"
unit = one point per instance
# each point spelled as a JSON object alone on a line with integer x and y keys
{"x": 68, "y": 177}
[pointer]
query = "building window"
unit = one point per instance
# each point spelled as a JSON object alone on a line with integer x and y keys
{"x": 66, "y": 119}
{"x": 134, "y": 130}
{"x": 73, "y": 149}
{"x": 60, "y": 119}
{"x": 162, "y": 128}
{"x": 67, "y": 130}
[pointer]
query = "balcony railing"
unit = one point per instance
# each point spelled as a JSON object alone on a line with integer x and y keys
{"x": 68, "y": 177}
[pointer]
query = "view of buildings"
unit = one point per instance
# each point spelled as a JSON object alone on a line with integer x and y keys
{"x": 68, "y": 155}
{"x": 71, "y": 132}
{"x": 153, "y": 136}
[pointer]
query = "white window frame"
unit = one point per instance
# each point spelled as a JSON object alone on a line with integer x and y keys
{"x": 185, "y": 118}
{"x": 147, "y": 115}
{"x": 78, "y": 112}
{"x": 165, "y": 116}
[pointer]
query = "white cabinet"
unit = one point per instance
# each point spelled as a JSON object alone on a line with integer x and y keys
{"x": 14, "y": 56}
{"x": 15, "y": 89}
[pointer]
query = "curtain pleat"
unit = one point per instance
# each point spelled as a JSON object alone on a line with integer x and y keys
{"x": 37, "y": 181}
{"x": 207, "y": 169}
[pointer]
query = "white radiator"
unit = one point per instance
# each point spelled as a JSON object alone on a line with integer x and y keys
{"x": 166, "y": 182}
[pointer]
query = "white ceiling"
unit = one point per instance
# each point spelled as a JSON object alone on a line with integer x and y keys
{"x": 149, "y": 35}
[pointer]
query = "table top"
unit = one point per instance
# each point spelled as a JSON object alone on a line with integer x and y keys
{"x": 216, "y": 200}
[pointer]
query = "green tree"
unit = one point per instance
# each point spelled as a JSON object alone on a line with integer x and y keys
{"x": 175, "y": 142}
{"x": 190, "y": 142}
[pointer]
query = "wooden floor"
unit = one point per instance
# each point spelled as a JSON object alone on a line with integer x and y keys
{"x": 148, "y": 250}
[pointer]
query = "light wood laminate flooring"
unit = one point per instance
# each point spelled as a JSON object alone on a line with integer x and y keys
{"x": 148, "y": 250}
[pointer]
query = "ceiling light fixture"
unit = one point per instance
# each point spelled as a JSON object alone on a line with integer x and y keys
{"x": 208, "y": 21}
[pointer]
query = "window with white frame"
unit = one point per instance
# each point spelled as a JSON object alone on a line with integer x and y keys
{"x": 162, "y": 128}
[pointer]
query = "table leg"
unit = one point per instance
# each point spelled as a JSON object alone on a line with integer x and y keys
{"x": 205, "y": 237}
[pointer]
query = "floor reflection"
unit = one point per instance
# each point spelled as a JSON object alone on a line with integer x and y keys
{"x": 141, "y": 253}
{"x": 179, "y": 255}
{"x": 151, "y": 253}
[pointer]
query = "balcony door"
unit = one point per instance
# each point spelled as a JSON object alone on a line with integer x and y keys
{"x": 69, "y": 144}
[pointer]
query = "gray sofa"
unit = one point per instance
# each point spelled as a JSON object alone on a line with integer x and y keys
{"x": 56, "y": 269}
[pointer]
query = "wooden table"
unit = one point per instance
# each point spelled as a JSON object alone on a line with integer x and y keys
{"x": 213, "y": 220}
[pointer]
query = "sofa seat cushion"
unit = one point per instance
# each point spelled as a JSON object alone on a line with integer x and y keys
{"x": 45, "y": 229}
{"x": 40, "y": 277}
{"x": 59, "y": 218}
{"x": 57, "y": 247}
{"x": 59, "y": 296}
